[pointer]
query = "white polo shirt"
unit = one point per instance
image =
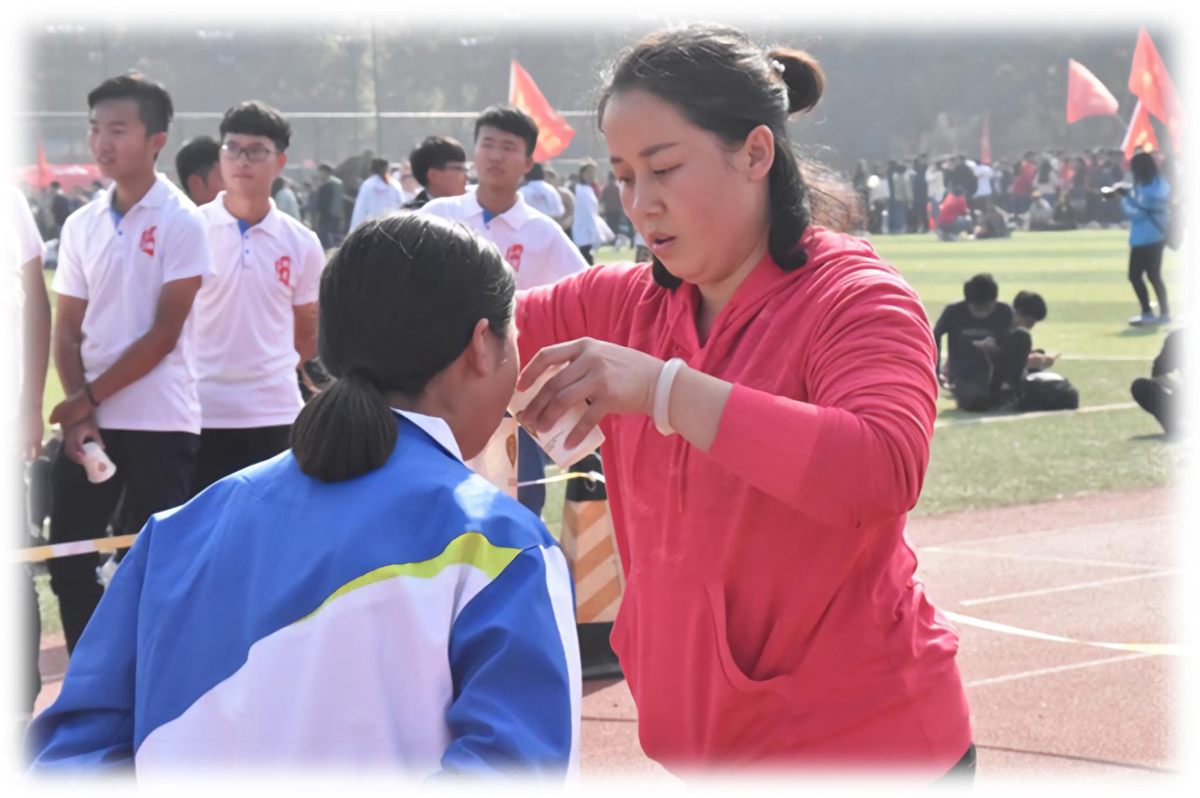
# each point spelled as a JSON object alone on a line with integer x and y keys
{"x": 245, "y": 323}
{"x": 532, "y": 243}
{"x": 22, "y": 243}
{"x": 120, "y": 269}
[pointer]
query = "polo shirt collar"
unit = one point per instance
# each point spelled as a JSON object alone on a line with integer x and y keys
{"x": 269, "y": 224}
{"x": 515, "y": 217}
{"x": 154, "y": 198}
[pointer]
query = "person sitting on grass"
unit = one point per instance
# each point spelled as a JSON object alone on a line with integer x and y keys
{"x": 361, "y": 600}
{"x": 954, "y": 217}
{"x": 1028, "y": 309}
{"x": 1044, "y": 217}
{"x": 992, "y": 223}
{"x": 984, "y": 359}
{"x": 1161, "y": 394}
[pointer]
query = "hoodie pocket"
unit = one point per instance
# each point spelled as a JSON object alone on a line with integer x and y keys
{"x": 694, "y": 703}
{"x": 737, "y": 678}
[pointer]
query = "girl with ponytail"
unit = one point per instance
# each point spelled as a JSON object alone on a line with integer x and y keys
{"x": 363, "y": 599}
{"x": 766, "y": 389}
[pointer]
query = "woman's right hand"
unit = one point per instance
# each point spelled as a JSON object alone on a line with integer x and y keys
{"x": 610, "y": 378}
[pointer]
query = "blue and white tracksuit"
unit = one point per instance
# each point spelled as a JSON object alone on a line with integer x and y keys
{"x": 414, "y": 617}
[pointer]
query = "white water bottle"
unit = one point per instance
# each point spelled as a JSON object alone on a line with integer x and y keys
{"x": 95, "y": 461}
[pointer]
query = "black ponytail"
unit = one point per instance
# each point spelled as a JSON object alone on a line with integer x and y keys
{"x": 727, "y": 85}
{"x": 399, "y": 303}
{"x": 345, "y": 431}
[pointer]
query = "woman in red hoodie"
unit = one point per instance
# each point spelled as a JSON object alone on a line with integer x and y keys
{"x": 766, "y": 388}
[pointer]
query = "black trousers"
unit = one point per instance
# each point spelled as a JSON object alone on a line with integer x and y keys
{"x": 154, "y": 473}
{"x": 227, "y": 451}
{"x": 587, "y": 254}
{"x": 1159, "y": 402}
{"x": 1147, "y": 261}
{"x": 978, "y": 384}
{"x": 963, "y": 772}
{"x": 918, "y": 220}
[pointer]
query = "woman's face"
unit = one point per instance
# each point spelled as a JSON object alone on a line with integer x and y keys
{"x": 684, "y": 190}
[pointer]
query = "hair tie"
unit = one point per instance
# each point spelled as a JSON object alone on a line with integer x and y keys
{"x": 364, "y": 373}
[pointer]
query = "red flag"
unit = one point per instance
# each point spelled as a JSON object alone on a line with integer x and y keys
{"x": 1140, "y": 136}
{"x": 1148, "y": 79}
{"x": 985, "y": 146}
{"x": 43, "y": 168}
{"x": 1086, "y": 95}
{"x": 554, "y": 134}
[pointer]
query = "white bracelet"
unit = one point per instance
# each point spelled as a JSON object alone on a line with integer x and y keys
{"x": 662, "y": 395}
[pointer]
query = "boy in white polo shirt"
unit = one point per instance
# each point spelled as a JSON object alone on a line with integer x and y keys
{"x": 256, "y": 319}
{"x": 532, "y": 243}
{"x": 129, "y": 266}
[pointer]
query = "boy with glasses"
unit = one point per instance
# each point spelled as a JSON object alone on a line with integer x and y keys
{"x": 256, "y": 318}
{"x": 439, "y": 164}
{"x": 129, "y": 266}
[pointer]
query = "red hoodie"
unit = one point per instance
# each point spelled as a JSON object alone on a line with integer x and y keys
{"x": 771, "y": 614}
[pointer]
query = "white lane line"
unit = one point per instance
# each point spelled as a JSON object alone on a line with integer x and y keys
{"x": 1066, "y": 588}
{"x": 1041, "y": 558}
{"x": 1043, "y": 671}
{"x": 1063, "y": 530}
{"x": 1126, "y": 358}
{"x": 962, "y": 422}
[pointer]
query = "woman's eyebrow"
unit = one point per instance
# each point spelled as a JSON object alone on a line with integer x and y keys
{"x": 646, "y": 153}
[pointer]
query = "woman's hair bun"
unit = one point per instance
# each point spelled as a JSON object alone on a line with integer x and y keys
{"x": 803, "y": 76}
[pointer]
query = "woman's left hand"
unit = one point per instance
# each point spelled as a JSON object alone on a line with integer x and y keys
{"x": 610, "y": 378}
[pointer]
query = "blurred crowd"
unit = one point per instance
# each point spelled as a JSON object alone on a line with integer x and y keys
{"x": 952, "y": 195}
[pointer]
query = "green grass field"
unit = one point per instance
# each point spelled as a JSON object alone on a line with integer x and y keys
{"x": 1081, "y": 274}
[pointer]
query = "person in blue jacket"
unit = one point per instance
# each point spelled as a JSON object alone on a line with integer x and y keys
{"x": 1146, "y": 207}
{"x": 364, "y": 598}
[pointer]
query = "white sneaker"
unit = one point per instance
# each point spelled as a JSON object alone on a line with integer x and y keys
{"x": 1144, "y": 320}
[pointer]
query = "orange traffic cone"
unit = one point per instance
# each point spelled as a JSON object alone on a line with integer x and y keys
{"x": 590, "y": 546}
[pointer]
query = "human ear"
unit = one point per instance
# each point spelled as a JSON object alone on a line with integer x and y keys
{"x": 479, "y": 352}
{"x": 758, "y": 152}
{"x": 157, "y": 142}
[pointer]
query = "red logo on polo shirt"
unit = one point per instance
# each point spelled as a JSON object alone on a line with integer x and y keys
{"x": 147, "y": 244}
{"x": 283, "y": 269}
{"x": 513, "y": 256}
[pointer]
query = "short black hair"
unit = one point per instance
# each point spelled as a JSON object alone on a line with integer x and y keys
{"x": 254, "y": 118}
{"x": 510, "y": 119}
{"x": 434, "y": 153}
{"x": 379, "y": 166}
{"x": 981, "y": 290}
{"x": 196, "y": 157}
{"x": 1144, "y": 169}
{"x": 1030, "y": 305}
{"x": 325, "y": 168}
{"x": 155, "y": 108}
{"x": 538, "y": 172}
{"x": 55, "y": 184}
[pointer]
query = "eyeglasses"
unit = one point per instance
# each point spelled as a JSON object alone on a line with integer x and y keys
{"x": 255, "y": 153}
